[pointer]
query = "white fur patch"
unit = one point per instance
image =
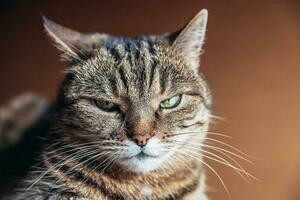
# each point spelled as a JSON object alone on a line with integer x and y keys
{"x": 147, "y": 192}
{"x": 144, "y": 159}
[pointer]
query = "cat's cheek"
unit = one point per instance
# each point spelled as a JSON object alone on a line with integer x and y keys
{"x": 120, "y": 136}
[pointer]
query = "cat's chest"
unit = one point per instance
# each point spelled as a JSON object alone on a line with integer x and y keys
{"x": 147, "y": 192}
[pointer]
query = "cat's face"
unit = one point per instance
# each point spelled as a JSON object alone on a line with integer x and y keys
{"x": 136, "y": 101}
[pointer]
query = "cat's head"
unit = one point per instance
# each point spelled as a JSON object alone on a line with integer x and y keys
{"x": 135, "y": 101}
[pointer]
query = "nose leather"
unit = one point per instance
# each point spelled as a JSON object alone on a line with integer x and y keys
{"x": 141, "y": 139}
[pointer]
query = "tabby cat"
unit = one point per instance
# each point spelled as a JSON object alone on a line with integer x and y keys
{"x": 126, "y": 117}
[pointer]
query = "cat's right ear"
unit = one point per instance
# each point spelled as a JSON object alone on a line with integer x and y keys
{"x": 73, "y": 45}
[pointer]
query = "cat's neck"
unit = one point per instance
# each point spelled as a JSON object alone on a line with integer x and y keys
{"x": 115, "y": 180}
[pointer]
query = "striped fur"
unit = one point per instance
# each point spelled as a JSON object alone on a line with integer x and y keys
{"x": 89, "y": 154}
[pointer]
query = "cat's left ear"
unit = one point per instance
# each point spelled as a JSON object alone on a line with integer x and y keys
{"x": 190, "y": 39}
{"x": 73, "y": 44}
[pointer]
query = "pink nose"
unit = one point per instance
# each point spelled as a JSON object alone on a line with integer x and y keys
{"x": 141, "y": 139}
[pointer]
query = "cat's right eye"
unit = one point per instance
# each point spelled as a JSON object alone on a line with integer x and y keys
{"x": 106, "y": 105}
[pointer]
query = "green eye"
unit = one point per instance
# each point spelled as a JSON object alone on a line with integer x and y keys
{"x": 106, "y": 106}
{"x": 171, "y": 103}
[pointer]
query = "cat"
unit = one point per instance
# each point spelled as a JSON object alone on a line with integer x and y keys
{"x": 129, "y": 121}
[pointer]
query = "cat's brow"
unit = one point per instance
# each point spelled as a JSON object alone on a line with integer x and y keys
{"x": 101, "y": 96}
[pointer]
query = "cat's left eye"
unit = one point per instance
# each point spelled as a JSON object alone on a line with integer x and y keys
{"x": 171, "y": 102}
{"x": 106, "y": 105}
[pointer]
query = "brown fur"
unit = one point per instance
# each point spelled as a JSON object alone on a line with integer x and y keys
{"x": 171, "y": 185}
{"x": 90, "y": 152}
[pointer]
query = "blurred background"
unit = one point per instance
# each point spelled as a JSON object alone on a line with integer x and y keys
{"x": 251, "y": 60}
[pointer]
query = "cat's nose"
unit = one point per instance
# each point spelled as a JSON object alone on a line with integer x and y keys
{"x": 141, "y": 139}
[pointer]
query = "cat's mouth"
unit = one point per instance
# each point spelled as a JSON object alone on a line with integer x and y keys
{"x": 142, "y": 155}
{"x": 144, "y": 159}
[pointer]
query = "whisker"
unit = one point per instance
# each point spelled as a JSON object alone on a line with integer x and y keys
{"x": 212, "y": 169}
{"x": 218, "y": 134}
{"x": 228, "y": 145}
{"x": 87, "y": 162}
{"x": 212, "y": 116}
{"x": 217, "y": 141}
{"x": 233, "y": 160}
{"x": 225, "y": 162}
{"x": 112, "y": 160}
{"x": 215, "y": 147}
{"x": 219, "y": 160}
{"x": 227, "y": 151}
{"x": 48, "y": 170}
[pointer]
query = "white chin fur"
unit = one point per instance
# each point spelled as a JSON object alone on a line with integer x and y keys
{"x": 157, "y": 154}
{"x": 143, "y": 165}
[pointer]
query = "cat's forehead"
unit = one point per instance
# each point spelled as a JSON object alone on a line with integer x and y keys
{"x": 135, "y": 68}
{"x": 120, "y": 47}
{"x": 137, "y": 55}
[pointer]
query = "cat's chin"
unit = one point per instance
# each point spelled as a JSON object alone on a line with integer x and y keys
{"x": 143, "y": 163}
{"x": 145, "y": 159}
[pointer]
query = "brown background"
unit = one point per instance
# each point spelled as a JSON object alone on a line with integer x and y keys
{"x": 252, "y": 62}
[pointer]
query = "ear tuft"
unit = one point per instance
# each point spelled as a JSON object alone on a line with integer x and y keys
{"x": 63, "y": 37}
{"x": 73, "y": 45}
{"x": 190, "y": 40}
